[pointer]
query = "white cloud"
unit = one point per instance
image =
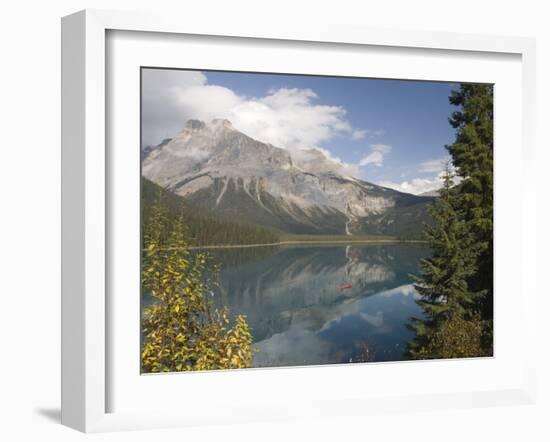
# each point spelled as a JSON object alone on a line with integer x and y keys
{"x": 289, "y": 118}
{"x": 336, "y": 164}
{"x": 415, "y": 186}
{"x": 161, "y": 115}
{"x": 206, "y": 102}
{"x": 382, "y": 148}
{"x": 418, "y": 186}
{"x": 376, "y": 156}
{"x": 359, "y": 134}
{"x": 432, "y": 166}
{"x": 285, "y": 117}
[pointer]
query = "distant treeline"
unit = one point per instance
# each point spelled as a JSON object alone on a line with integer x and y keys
{"x": 203, "y": 228}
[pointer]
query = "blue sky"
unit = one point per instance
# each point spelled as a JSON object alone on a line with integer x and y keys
{"x": 390, "y": 132}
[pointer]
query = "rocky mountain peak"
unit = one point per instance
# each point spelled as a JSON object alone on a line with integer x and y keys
{"x": 216, "y": 166}
{"x": 195, "y": 125}
{"x": 222, "y": 122}
{"x": 213, "y": 126}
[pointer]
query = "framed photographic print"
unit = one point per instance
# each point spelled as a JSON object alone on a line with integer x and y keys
{"x": 285, "y": 223}
{"x": 254, "y": 196}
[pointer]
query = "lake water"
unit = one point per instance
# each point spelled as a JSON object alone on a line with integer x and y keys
{"x": 322, "y": 304}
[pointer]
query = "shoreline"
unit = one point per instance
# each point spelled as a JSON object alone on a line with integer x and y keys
{"x": 321, "y": 242}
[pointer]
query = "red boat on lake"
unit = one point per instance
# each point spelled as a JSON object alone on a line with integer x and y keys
{"x": 344, "y": 287}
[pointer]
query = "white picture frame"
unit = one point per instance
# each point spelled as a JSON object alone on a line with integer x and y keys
{"x": 87, "y": 204}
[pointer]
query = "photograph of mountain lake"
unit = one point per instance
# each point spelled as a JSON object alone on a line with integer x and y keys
{"x": 295, "y": 220}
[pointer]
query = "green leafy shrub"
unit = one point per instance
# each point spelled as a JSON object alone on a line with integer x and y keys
{"x": 457, "y": 337}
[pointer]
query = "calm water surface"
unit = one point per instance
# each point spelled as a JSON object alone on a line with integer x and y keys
{"x": 300, "y": 314}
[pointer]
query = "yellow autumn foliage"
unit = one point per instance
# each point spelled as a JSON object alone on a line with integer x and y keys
{"x": 182, "y": 330}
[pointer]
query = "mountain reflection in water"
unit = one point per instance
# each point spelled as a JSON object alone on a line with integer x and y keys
{"x": 322, "y": 304}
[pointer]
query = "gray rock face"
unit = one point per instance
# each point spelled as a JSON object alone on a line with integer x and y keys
{"x": 217, "y": 167}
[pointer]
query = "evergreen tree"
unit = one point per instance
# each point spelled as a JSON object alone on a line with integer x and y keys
{"x": 456, "y": 286}
{"x": 472, "y": 156}
{"x": 443, "y": 286}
